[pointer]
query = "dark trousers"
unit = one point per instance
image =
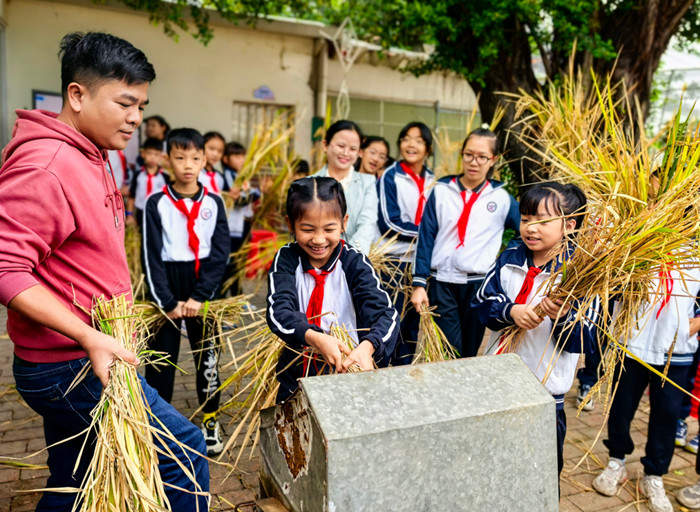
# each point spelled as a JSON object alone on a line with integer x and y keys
{"x": 206, "y": 358}
{"x": 182, "y": 281}
{"x": 690, "y": 385}
{"x": 44, "y": 387}
{"x": 588, "y": 374}
{"x": 232, "y": 268}
{"x": 561, "y": 435}
{"x": 665, "y": 402}
{"x": 457, "y": 319}
{"x": 396, "y": 286}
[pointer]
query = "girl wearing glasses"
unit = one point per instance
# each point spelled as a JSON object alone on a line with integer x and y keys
{"x": 460, "y": 238}
{"x": 342, "y": 145}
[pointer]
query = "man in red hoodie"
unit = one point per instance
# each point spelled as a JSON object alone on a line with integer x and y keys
{"x": 61, "y": 244}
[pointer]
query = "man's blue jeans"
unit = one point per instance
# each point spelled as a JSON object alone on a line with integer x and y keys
{"x": 43, "y": 387}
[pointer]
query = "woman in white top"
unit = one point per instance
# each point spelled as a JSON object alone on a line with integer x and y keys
{"x": 342, "y": 145}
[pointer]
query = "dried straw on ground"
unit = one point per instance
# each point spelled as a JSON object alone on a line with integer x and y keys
{"x": 634, "y": 230}
{"x": 432, "y": 343}
{"x": 123, "y": 473}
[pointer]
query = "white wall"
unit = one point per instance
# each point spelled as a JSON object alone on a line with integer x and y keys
{"x": 197, "y": 85}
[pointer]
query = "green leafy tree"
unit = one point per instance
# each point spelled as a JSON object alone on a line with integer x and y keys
{"x": 491, "y": 43}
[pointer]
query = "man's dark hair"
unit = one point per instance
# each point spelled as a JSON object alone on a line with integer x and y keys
{"x": 185, "y": 138}
{"x": 95, "y": 57}
{"x": 152, "y": 143}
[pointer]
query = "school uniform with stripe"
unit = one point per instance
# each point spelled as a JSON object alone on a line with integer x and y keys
{"x": 401, "y": 204}
{"x": 139, "y": 188}
{"x": 167, "y": 248}
{"x": 213, "y": 180}
{"x": 459, "y": 238}
{"x": 352, "y": 296}
{"x": 512, "y": 280}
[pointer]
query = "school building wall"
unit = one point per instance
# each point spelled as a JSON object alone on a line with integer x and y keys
{"x": 207, "y": 87}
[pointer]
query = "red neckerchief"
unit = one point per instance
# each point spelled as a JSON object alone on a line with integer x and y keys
{"x": 149, "y": 182}
{"x": 122, "y": 159}
{"x": 420, "y": 183}
{"x": 523, "y": 294}
{"x": 464, "y": 218}
{"x": 193, "y": 239}
{"x": 212, "y": 181}
{"x": 667, "y": 282}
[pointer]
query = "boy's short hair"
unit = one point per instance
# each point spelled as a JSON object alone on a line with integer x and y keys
{"x": 185, "y": 138}
{"x": 152, "y": 143}
{"x": 96, "y": 57}
{"x": 234, "y": 148}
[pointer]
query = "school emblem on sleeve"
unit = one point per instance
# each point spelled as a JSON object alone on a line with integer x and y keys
{"x": 491, "y": 206}
{"x": 206, "y": 213}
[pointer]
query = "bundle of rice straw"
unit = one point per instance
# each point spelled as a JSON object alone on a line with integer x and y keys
{"x": 132, "y": 246}
{"x": 264, "y": 253}
{"x": 123, "y": 473}
{"x": 432, "y": 343}
{"x": 388, "y": 267}
{"x": 641, "y": 217}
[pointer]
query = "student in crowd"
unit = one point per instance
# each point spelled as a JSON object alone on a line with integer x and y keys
{"x": 403, "y": 191}
{"x": 320, "y": 280}
{"x": 374, "y": 153}
{"x": 157, "y": 128}
{"x": 150, "y": 179}
{"x": 301, "y": 169}
{"x": 185, "y": 251}
{"x": 669, "y": 316}
{"x": 61, "y": 244}
{"x": 342, "y": 145}
{"x": 549, "y": 212}
{"x": 460, "y": 236}
{"x": 214, "y": 145}
{"x": 240, "y": 211}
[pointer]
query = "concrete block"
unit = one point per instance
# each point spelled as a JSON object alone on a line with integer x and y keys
{"x": 472, "y": 434}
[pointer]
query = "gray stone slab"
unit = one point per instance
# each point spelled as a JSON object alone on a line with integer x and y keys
{"x": 472, "y": 434}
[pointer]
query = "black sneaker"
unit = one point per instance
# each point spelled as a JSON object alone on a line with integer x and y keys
{"x": 212, "y": 436}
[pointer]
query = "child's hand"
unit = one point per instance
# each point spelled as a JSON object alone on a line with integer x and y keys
{"x": 191, "y": 308}
{"x": 130, "y": 220}
{"x": 694, "y": 325}
{"x": 552, "y": 308}
{"x": 235, "y": 193}
{"x": 525, "y": 317}
{"x": 419, "y": 297}
{"x": 361, "y": 355}
{"x": 176, "y": 313}
{"x": 330, "y": 348}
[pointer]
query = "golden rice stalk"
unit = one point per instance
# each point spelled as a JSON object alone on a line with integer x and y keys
{"x": 253, "y": 382}
{"x": 388, "y": 267}
{"x": 433, "y": 345}
{"x": 123, "y": 473}
{"x": 132, "y": 246}
{"x": 641, "y": 216}
{"x": 266, "y": 251}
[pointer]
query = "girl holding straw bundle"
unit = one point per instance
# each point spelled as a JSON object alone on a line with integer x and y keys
{"x": 459, "y": 238}
{"x": 342, "y": 145}
{"x": 665, "y": 324}
{"x": 318, "y": 281}
{"x": 514, "y": 286}
{"x": 403, "y": 191}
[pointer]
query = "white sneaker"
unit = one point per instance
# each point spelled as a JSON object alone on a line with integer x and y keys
{"x": 212, "y": 436}
{"x": 612, "y": 476}
{"x": 689, "y": 496}
{"x": 653, "y": 488}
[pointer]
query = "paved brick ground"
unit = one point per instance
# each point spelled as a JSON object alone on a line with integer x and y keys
{"x": 21, "y": 434}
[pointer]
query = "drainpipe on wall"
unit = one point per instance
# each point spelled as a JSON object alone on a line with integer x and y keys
{"x": 321, "y": 77}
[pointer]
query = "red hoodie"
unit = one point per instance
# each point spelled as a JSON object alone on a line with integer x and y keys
{"x": 61, "y": 226}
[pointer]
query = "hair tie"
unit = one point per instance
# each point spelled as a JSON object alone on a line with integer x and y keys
{"x": 485, "y": 126}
